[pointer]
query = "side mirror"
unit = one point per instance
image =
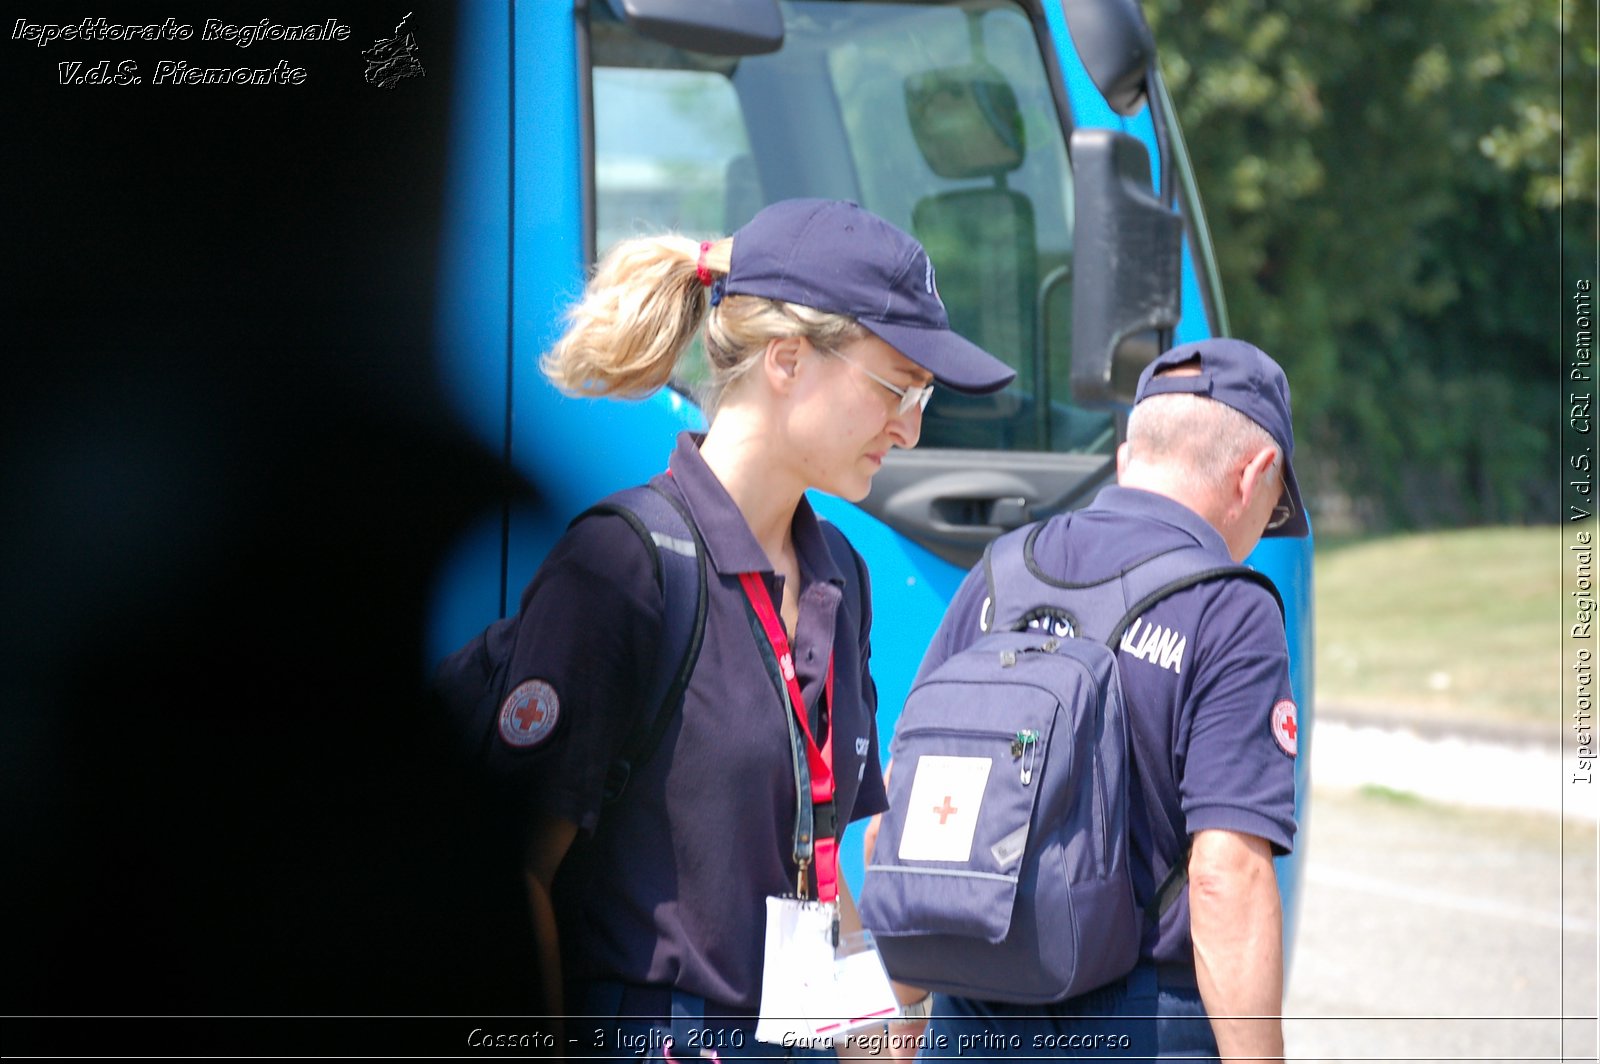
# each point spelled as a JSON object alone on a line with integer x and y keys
{"x": 1126, "y": 267}
{"x": 1117, "y": 48}
{"x": 720, "y": 27}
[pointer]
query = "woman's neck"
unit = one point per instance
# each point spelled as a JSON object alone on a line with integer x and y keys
{"x": 737, "y": 449}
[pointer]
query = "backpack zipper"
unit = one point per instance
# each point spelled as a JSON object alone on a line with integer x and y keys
{"x": 1008, "y": 658}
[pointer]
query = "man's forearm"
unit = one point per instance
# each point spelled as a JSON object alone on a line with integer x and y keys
{"x": 1236, "y": 920}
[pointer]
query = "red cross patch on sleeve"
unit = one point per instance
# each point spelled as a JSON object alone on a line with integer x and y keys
{"x": 528, "y": 715}
{"x": 1286, "y": 727}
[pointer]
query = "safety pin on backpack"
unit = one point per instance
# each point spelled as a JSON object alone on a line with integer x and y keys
{"x": 1025, "y": 746}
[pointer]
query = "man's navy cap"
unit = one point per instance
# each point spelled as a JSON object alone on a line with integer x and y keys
{"x": 834, "y": 256}
{"x": 1247, "y": 379}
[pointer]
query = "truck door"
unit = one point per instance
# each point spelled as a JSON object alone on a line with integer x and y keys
{"x": 942, "y": 118}
{"x": 949, "y": 120}
{"x": 955, "y": 121}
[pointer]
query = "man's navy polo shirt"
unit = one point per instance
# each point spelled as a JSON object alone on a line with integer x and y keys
{"x": 1202, "y": 745}
{"x": 668, "y": 887}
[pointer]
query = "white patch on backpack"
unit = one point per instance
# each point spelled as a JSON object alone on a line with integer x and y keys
{"x": 1159, "y": 646}
{"x": 942, "y": 812}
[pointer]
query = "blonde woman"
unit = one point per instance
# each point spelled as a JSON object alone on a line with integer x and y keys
{"x": 826, "y": 337}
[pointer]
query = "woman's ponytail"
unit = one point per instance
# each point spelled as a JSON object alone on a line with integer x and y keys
{"x": 639, "y": 311}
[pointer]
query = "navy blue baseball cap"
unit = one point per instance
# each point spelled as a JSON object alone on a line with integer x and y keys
{"x": 1247, "y": 379}
{"x": 832, "y": 255}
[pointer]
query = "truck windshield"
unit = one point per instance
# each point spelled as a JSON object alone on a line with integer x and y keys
{"x": 936, "y": 116}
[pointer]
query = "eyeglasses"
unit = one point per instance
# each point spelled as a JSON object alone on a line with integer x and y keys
{"x": 914, "y": 396}
{"x": 1281, "y": 513}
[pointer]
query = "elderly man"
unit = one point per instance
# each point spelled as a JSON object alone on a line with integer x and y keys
{"x": 1211, "y": 723}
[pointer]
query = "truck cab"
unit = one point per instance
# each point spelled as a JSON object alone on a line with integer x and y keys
{"x": 1028, "y": 144}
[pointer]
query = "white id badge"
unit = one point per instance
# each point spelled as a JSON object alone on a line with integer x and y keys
{"x": 812, "y": 994}
{"x": 798, "y": 961}
{"x": 861, "y": 993}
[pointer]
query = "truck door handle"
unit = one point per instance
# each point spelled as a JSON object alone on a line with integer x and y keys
{"x": 1007, "y": 511}
{"x": 966, "y": 507}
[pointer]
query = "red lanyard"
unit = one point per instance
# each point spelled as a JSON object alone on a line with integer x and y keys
{"x": 819, "y": 761}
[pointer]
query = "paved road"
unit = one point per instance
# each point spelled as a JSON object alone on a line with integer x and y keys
{"x": 1431, "y": 932}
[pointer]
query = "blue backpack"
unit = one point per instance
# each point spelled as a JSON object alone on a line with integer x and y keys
{"x": 1001, "y": 869}
{"x": 472, "y": 683}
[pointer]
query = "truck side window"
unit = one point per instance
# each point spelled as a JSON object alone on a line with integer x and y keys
{"x": 670, "y": 154}
{"x": 937, "y": 116}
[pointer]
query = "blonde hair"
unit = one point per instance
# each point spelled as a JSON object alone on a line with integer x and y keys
{"x": 645, "y": 303}
{"x": 1205, "y": 436}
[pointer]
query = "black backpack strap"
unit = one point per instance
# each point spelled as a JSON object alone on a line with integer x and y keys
{"x": 679, "y": 554}
{"x": 1167, "y": 893}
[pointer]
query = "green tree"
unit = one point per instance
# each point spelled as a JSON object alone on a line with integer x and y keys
{"x": 1387, "y": 182}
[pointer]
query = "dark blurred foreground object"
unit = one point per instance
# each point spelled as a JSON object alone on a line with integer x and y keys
{"x": 226, "y": 485}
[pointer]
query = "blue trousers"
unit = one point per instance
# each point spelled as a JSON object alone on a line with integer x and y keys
{"x": 621, "y": 1022}
{"x": 1151, "y": 1013}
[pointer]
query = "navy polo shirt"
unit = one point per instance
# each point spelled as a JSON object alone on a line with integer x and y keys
{"x": 1204, "y": 754}
{"x": 667, "y": 887}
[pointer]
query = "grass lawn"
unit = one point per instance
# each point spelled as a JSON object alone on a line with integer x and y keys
{"x": 1443, "y": 622}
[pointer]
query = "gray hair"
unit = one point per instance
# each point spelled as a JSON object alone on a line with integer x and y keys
{"x": 1204, "y": 436}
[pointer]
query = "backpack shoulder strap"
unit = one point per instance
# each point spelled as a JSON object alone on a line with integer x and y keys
{"x": 1153, "y": 579}
{"x": 679, "y": 556}
{"x": 1008, "y": 579}
{"x": 1022, "y": 590}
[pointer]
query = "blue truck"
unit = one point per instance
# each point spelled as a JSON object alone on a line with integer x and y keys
{"x": 1029, "y": 144}
{"x": 276, "y": 439}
